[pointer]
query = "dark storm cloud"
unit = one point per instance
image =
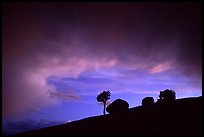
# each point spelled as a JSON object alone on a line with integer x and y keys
{"x": 131, "y": 33}
{"x": 41, "y": 40}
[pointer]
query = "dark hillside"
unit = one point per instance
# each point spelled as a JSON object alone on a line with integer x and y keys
{"x": 182, "y": 117}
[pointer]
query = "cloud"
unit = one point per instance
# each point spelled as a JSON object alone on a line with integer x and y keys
{"x": 75, "y": 39}
{"x": 160, "y": 67}
{"x": 15, "y": 127}
{"x": 64, "y": 96}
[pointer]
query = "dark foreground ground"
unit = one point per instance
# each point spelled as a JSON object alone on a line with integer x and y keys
{"x": 182, "y": 117}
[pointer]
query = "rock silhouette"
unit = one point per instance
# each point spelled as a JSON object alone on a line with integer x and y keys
{"x": 117, "y": 107}
{"x": 147, "y": 101}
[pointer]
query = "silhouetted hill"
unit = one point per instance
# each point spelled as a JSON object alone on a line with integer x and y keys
{"x": 182, "y": 117}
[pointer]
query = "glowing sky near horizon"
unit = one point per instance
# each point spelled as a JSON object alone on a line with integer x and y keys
{"x": 57, "y": 57}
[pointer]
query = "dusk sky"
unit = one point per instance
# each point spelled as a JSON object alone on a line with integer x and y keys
{"x": 57, "y": 57}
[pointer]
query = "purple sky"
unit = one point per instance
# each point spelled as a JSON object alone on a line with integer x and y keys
{"x": 57, "y": 57}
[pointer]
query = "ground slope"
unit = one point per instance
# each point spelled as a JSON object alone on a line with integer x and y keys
{"x": 182, "y": 117}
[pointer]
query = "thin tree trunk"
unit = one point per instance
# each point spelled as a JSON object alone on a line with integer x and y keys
{"x": 104, "y": 108}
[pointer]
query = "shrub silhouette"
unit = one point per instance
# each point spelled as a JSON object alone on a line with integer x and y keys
{"x": 147, "y": 101}
{"x": 117, "y": 106}
{"x": 167, "y": 96}
{"x": 103, "y": 97}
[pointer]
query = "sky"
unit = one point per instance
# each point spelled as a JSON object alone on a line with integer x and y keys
{"x": 57, "y": 57}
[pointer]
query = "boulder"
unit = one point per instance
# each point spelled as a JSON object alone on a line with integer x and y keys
{"x": 117, "y": 106}
{"x": 147, "y": 101}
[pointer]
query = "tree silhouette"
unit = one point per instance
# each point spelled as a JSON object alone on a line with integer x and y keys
{"x": 167, "y": 96}
{"x": 103, "y": 97}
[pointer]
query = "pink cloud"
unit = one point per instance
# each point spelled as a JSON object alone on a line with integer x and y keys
{"x": 161, "y": 67}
